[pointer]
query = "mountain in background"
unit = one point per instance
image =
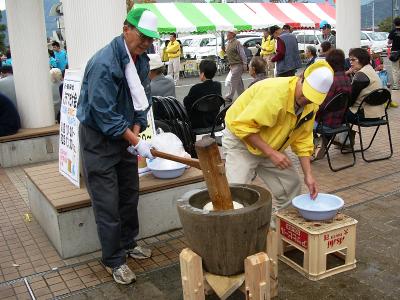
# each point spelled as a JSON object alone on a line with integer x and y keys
{"x": 51, "y": 22}
{"x": 383, "y": 9}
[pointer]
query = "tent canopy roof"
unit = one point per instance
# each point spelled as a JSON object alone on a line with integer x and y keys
{"x": 207, "y": 17}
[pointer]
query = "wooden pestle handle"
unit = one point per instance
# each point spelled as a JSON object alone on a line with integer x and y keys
{"x": 214, "y": 173}
{"x": 187, "y": 161}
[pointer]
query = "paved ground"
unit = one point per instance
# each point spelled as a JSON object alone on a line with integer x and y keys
{"x": 371, "y": 192}
{"x": 376, "y": 276}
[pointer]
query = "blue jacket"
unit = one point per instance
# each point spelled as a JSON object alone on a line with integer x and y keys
{"x": 105, "y": 102}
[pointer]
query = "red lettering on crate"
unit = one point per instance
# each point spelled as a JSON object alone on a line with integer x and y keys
{"x": 335, "y": 239}
{"x": 294, "y": 234}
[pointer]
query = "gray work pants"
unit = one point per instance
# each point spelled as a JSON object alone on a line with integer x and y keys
{"x": 240, "y": 166}
{"x": 112, "y": 181}
{"x": 236, "y": 81}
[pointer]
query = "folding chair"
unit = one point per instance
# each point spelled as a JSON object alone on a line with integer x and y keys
{"x": 219, "y": 124}
{"x": 206, "y": 108}
{"x": 375, "y": 98}
{"x": 338, "y": 104}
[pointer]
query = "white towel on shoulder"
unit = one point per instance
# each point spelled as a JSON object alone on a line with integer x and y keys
{"x": 139, "y": 98}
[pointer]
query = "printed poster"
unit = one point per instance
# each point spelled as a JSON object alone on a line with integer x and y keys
{"x": 68, "y": 156}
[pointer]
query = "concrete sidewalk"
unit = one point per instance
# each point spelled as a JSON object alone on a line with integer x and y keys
{"x": 370, "y": 190}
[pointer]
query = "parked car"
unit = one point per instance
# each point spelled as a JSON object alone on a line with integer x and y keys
{"x": 192, "y": 43}
{"x": 249, "y": 34}
{"x": 251, "y": 42}
{"x": 214, "y": 46}
{"x": 365, "y": 42}
{"x": 378, "y": 41}
{"x": 308, "y": 38}
{"x": 211, "y": 49}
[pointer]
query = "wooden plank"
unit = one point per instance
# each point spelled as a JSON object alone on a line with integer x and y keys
{"x": 272, "y": 251}
{"x": 38, "y": 172}
{"x": 64, "y": 196}
{"x": 256, "y": 268}
{"x": 192, "y": 275}
{"x": 28, "y": 133}
{"x": 45, "y": 166}
{"x": 45, "y": 174}
{"x": 149, "y": 184}
{"x": 50, "y": 185}
{"x": 49, "y": 179}
{"x": 224, "y": 286}
{"x": 58, "y": 188}
{"x": 65, "y": 204}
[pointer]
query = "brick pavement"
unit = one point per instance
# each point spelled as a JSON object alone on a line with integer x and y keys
{"x": 25, "y": 251}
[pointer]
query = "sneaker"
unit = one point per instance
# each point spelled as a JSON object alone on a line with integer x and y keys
{"x": 394, "y": 104}
{"x": 139, "y": 252}
{"x": 122, "y": 274}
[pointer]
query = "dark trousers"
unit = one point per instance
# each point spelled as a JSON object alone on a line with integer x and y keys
{"x": 287, "y": 74}
{"x": 4, "y": 130}
{"x": 112, "y": 181}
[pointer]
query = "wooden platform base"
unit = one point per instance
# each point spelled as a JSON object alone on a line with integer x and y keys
{"x": 256, "y": 282}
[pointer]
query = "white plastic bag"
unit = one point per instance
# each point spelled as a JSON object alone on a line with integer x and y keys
{"x": 228, "y": 79}
{"x": 169, "y": 143}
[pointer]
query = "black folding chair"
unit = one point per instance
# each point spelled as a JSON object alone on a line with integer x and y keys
{"x": 375, "y": 98}
{"x": 338, "y": 104}
{"x": 219, "y": 124}
{"x": 206, "y": 108}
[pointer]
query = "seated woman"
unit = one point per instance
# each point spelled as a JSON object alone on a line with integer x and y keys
{"x": 207, "y": 69}
{"x": 9, "y": 117}
{"x": 341, "y": 84}
{"x": 311, "y": 55}
{"x": 365, "y": 80}
{"x": 257, "y": 69}
{"x": 160, "y": 85}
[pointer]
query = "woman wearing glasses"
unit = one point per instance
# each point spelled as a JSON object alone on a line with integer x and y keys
{"x": 365, "y": 80}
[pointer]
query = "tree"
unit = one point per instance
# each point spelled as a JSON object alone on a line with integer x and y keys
{"x": 2, "y": 35}
{"x": 386, "y": 25}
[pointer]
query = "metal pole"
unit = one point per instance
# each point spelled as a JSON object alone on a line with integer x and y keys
{"x": 392, "y": 11}
{"x": 373, "y": 15}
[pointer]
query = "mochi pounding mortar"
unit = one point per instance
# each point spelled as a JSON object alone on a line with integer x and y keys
{"x": 213, "y": 171}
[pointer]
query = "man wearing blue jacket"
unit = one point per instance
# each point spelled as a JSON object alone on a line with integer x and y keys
{"x": 112, "y": 109}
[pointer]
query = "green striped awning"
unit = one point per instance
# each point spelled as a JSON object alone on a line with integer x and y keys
{"x": 204, "y": 17}
{"x": 207, "y": 17}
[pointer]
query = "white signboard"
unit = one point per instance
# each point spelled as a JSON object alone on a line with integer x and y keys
{"x": 150, "y": 130}
{"x": 68, "y": 156}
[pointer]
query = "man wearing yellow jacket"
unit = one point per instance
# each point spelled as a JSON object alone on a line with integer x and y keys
{"x": 270, "y": 116}
{"x": 174, "y": 53}
{"x": 267, "y": 52}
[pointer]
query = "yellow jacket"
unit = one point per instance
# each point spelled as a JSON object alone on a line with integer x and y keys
{"x": 267, "y": 108}
{"x": 173, "y": 49}
{"x": 164, "y": 56}
{"x": 268, "y": 44}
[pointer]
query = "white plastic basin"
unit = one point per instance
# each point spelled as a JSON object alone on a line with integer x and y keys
{"x": 165, "y": 169}
{"x": 324, "y": 207}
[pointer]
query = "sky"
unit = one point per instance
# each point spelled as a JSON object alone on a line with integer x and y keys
{"x": 2, "y": 4}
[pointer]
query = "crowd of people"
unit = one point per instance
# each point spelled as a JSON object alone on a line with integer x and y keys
{"x": 58, "y": 63}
